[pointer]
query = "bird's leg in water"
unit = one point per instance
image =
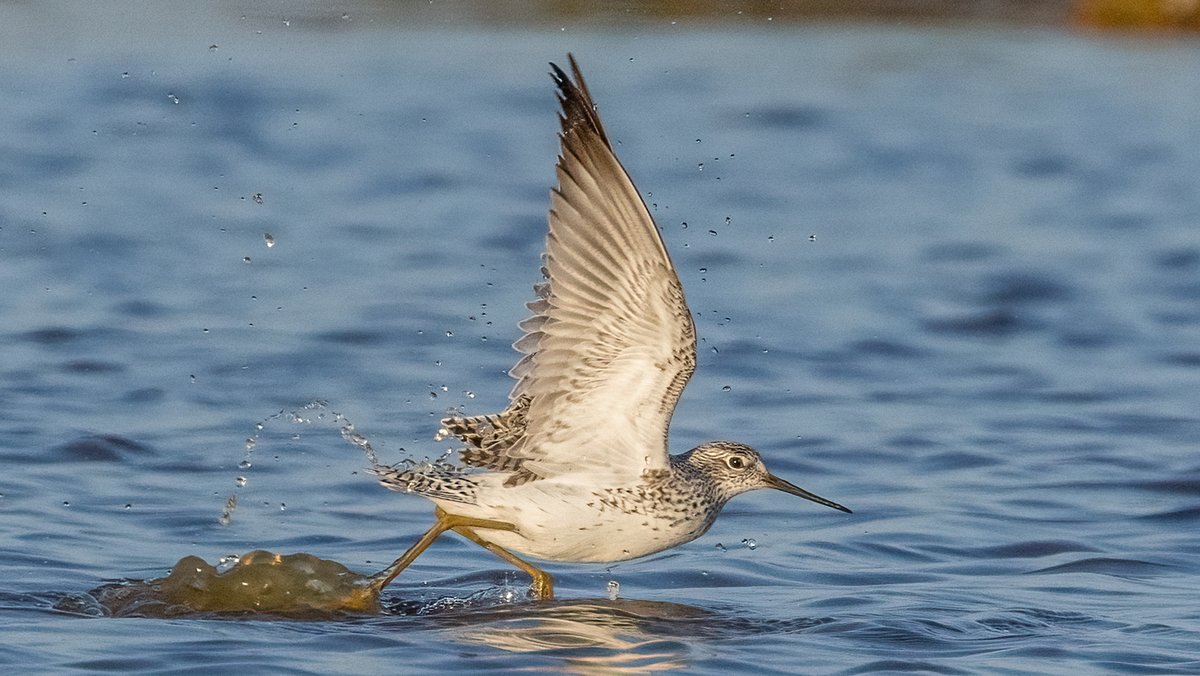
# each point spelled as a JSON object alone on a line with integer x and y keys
{"x": 543, "y": 583}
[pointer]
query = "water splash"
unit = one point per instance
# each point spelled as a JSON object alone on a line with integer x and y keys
{"x": 258, "y": 582}
{"x": 358, "y": 439}
{"x": 227, "y": 562}
{"x": 319, "y": 412}
{"x": 314, "y": 412}
{"x": 227, "y": 513}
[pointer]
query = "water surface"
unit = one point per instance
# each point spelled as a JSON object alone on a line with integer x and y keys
{"x": 947, "y": 277}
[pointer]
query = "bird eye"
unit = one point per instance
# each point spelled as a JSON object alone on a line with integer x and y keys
{"x": 736, "y": 462}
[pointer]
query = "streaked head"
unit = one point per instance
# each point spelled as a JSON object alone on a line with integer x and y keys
{"x": 736, "y": 468}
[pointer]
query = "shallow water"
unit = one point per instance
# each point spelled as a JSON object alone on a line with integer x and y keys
{"x": 948, "y": 277}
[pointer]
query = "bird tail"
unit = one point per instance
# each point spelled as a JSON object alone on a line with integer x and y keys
{"x": 431, "y": 480}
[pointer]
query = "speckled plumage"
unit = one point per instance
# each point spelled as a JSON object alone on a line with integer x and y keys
{"x": 576, "y": 468}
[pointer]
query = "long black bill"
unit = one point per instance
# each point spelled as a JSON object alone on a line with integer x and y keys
{"x": 788, "y": 487}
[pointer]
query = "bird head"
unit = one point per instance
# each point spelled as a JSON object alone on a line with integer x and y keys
{"x": 736, "y": 468}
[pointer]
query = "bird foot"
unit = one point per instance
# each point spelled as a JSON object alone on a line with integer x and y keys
{"x": 542, "y": 588}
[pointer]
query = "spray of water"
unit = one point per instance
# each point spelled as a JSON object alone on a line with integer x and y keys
{"x": 318, "y": 412}
{"x": 314, "y": 412}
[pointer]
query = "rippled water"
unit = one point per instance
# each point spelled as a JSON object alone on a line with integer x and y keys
{"x": 947, "y": 277}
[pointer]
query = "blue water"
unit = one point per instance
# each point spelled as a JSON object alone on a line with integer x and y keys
{"x": 949, "y": 277}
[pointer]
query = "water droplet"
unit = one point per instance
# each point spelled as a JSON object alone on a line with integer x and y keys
{"x": 282, "y": 506}
{"x": 684, "y": 224}
{"x": 268, "y": 239}
{"x": 726, "y": 388}
{"x": 245, "y": 464}
{"x": 614, "y": 590}
{"x": 812, "y": 238}
{"x": 700, "y": 167}
{"x": 711, "y": 232}
{"x": 125, "y": 75}
{"x": 449, "y": 334}
{"x": 728, "y": 220}
{"x": 66, "y": 503}
{"x": 212, "y": 48}
{"x": 173, "y": 99}
{"x": 470, "y": 394}
{"x": 770, "y": 238}
{"x": 750, "y": 543}
{"x": 721, "y": 547}
{"x": 227, "y": 514}
{"x": 251, "y": 442}
{"x": 128, "y": 506}
{"x": 258, "y": 199}
{"x": 703, "y": 270}
{"x": 245, "y": 259}
{"x": 239, "y": 482}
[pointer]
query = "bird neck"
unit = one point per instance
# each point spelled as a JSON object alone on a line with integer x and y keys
{"x": 698, "y": 479}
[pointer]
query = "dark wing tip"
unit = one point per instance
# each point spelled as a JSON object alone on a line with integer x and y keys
{"x": 578, "y": 108}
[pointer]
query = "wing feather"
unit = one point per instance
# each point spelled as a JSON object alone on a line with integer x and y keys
{"x": 610, "y": 343}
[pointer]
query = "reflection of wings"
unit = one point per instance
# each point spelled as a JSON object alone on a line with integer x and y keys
{"x": 611, "y": 342}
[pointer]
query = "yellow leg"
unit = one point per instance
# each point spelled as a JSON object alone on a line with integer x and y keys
{"x": 444, "y": 523}
{"x": 543, "y": 583}
{"x": 382, "y": 578}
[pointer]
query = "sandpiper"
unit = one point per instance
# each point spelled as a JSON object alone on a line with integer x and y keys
{"x": 576, "y": 468}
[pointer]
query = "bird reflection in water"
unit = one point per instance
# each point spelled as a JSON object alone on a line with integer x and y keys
{"x": 589, "y": 636}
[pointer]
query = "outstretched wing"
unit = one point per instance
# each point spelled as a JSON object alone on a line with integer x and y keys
{"x": 611, "y": 342}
